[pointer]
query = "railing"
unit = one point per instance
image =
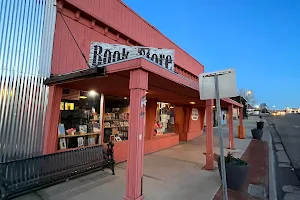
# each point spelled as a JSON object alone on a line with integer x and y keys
{"x": 22, "y": 176}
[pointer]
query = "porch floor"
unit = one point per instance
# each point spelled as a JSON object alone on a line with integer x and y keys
{"x": 174, "y": 173}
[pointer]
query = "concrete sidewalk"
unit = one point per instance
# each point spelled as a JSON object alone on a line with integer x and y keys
{"x": 175, "y": 173}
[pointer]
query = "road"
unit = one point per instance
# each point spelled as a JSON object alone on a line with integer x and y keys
{"x": 286, "y": 141}
{"x": 288, "y": 127}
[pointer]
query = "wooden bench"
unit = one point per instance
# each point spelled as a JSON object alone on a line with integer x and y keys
{"x": 19, "y": 177}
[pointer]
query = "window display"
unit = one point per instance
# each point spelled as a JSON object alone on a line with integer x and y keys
{"x": 164, "y": 119}
{"x": 79, "y": 122}
{"x": 116, "y": 124}
{"x": 116, "y": 119}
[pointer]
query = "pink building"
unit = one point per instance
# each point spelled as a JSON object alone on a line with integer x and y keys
{"x": 143, "y": 103}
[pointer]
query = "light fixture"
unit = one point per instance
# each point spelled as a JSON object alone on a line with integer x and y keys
{"x": 192, "y": 102}
{"x": 171, "y": 107}
{"x": 92, "y": 93}
{"x": 125, "y": 97}
{"x": 213, "y": 106}
{"x": 146, "y": 92}
{"x": 82, "y": 95}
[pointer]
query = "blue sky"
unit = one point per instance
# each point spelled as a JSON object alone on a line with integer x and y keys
{"x": 259, "y": 38}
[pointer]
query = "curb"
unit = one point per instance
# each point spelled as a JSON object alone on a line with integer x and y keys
{"x": 272, "y": 179}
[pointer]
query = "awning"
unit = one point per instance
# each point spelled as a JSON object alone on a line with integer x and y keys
{"x": 113, "y": 79}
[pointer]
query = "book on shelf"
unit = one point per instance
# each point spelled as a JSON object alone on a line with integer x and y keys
{"x": 80, "y": 141}
{"x": 61, "y": 129}
{"x": 62, "y": 143}
{"x": 96, "y": 128}
{"x": 91, "y": 141}
{"x": 82, "y": 128}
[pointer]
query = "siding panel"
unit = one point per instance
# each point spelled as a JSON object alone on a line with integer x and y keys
{"x": 66, "y": 55}
{"x": 27, "y": 30}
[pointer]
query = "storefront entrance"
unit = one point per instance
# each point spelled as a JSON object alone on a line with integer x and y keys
{"x": 96, "y": 109}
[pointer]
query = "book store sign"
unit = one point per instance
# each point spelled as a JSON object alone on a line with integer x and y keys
{"x": 103, "y": 53}
{"x": 195, "y": 114}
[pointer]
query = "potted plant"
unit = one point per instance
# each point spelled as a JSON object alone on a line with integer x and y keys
{"x": 257, "y": 133}
{"x": 236, "y": 171}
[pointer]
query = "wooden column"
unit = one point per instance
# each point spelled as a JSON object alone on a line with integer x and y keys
{"x": 209, "y": 136}
{"x": 201, "y": 116}
{"x": 187, "y": 117}
{"x": 52, "y": 119}
{"x": 138, "y": 86}
{"x": 230, "y": 125}
{"x": 241, "y": 126}
{"x": 241, "y": 116}
{"x": 150, "y": 118}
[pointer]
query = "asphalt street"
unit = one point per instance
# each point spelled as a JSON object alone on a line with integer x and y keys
{"x": 286, "y": 142}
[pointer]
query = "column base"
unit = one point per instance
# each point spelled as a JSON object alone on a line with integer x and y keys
{"x": 139, "y": 198}
{"x": 209, "y": 167}
{"x": 241, "y": 132}
{"x": 231, "y": 146}
{"x": 210, "y": 157}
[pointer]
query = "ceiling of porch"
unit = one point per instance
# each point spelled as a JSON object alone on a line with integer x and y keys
{"x": 117, "y": 84}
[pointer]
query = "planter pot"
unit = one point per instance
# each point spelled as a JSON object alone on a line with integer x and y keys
{"x": 260, "y": 124}
{"x": 235, "y": 175}
{"x": 257, "y": 134}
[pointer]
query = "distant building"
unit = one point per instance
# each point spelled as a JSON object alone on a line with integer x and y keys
{"x": 292, "y": 110}
{"x": 243, "y": 101}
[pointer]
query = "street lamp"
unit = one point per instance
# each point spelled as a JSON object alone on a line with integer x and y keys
{"x": 249, "y": 92}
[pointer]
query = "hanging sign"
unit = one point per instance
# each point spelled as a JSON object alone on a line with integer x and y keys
{"x": 103, "y": 53}
{"x": 195, "y": 114}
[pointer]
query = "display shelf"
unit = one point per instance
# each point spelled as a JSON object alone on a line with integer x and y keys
{"x": 70, "y": 149}
{"x": 79, "y": 135}
{"x": 117, "y": 127}
{"x": 109, "y": 120}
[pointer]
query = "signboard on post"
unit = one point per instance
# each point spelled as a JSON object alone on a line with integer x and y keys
{"x": 227, "y": 84}
{"x": 104, "y": 53}
{"x": 217, "y": 85}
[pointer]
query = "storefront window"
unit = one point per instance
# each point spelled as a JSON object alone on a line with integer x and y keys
{"x": 79, "y": 120}
{"x": 116, "y": 119}
{"x": 164, "y": 119}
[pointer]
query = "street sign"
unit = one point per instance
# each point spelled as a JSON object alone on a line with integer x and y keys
{"x": 216, "y": 85}
{"x": 227, "y": 84}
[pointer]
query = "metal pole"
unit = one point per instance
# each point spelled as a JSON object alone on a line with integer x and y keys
{"x": 222, "y": 159}
{"x": 101, "y": 118}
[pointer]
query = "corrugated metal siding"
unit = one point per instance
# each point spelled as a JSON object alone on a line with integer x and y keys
{"x": 128, "y": 22}
{"x": 27, "y": 30}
